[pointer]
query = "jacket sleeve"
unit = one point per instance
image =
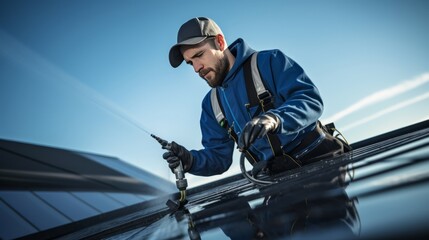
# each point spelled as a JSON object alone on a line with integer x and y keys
{"x": 298, "y": 100}
{"x": 216, "y": 157}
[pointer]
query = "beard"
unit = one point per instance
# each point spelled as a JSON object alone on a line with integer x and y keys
{"x": 219, "y": 71}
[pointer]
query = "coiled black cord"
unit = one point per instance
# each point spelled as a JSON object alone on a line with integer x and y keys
{"x": 250, "y": 177}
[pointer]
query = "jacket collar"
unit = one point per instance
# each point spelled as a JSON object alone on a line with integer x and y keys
{"x": 241, "y": 52}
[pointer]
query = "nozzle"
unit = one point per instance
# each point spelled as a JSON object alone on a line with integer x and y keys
{"x": 160, "y": 140}
{"x": 164, "y": 143}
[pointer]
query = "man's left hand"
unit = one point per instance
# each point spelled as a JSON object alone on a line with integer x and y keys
{"x": 257, "y": 128}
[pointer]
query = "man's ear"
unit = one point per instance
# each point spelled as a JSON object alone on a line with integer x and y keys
{"x": 220, "y": 42}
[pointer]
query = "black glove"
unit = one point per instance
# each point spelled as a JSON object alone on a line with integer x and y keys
{"x": 176, "y": 154}
{"x": 257, "y": 128}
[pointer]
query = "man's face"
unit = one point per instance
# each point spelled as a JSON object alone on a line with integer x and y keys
{"x": 208, "y": 61}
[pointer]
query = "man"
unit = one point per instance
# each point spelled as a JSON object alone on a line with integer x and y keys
{"x": 292, "y": 120}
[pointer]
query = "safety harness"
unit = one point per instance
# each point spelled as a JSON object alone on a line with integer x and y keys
{"x": 258, "y": 96}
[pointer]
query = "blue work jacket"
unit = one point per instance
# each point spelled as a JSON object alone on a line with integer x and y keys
{"x": 297, "y": 103}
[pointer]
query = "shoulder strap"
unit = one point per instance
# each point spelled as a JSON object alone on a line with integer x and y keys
{"x": 257, "y": 93}
{"x": 217, "y": 110}
{"x": 254, "y": 85}
{"x": 252, "y": 94}
{"x": 257, "y": 80}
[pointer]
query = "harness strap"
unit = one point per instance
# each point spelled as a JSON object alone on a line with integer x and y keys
{"x": 252, "y": 95}
{"x": 217, "y": 108}
{"x": 259, "y": 96}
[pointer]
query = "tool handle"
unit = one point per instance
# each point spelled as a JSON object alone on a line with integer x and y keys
{"x": 178, "y": 171}
{"x": 181, "y": 181}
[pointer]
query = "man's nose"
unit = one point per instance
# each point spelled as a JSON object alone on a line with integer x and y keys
{"x": 198, "y": 67}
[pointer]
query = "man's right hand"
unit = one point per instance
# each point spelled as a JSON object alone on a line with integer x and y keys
{"x": 176, "y": 154}
{"x": 258, "y": 127}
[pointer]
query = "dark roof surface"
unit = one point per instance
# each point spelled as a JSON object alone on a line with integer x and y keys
{"x": 379, "y": 190}
{"x": 43, "y": 187}
{"x": 34, "y": 167}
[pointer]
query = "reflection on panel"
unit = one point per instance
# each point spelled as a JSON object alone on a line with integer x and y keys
{"x": 99, "y": 201}
{"x": 12, "y": 224}
{"x": 43, "y": 187}
{"x": 126, "y": 199}
{"x": 68, "y": 204}
{"x": 34, "y": 209}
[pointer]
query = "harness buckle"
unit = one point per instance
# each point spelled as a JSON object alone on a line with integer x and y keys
{"x": 265, "y": 98}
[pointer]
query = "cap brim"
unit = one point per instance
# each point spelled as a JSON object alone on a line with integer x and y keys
{"x": 176, "y": 57}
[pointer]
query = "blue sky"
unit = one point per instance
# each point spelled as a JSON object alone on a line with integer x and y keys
{"x": 94, "y": 76}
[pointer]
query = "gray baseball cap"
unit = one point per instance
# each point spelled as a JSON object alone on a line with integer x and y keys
{"x": 192, "y": 32}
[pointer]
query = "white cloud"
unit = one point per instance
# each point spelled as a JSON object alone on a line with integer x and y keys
{"x": 381, "y": 96}
{"x": 386, "y": 111}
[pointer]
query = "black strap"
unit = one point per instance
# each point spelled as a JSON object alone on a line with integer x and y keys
{"x": 264, "y": 100}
